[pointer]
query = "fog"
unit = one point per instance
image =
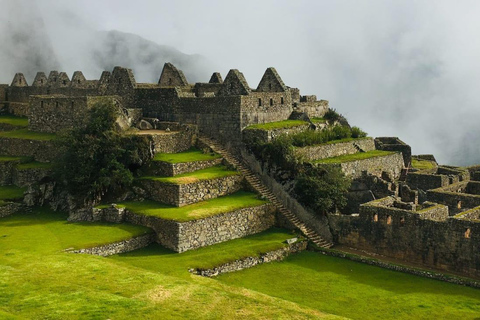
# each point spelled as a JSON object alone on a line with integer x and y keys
{"x": 395, "y": 68}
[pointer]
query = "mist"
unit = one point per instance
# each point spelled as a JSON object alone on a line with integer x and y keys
{"x": 395, "y": 68}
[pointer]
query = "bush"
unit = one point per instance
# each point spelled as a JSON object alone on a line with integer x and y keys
{"x": 358, "y": 133}
{"x": 331, "y": 116}
{"x": 322, "y": 188}
{"x": 279, "y": 152}
{"x": 98, "y": 159}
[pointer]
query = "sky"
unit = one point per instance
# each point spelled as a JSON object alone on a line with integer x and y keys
{"x": 394, "y": 68}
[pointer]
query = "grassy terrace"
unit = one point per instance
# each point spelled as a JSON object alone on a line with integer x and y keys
{"x": 191, "y": 177}
{"x": 355, "y": 157}
{"x": 278, "y": 125}
{"x": 11, "y": 193}
{"x": 14, "y": 120}
{"x": 34, "y": 165}
{"x": 422, "y": 164}
{"x": 27, "y": 134}
{"x": 157, "y": 258}
{"x": 14, "y": 158}
{"x": 356, "y": 290}
{"x": 318, "y": 120}
{"x": 40, "y": 281}
{"x": 190, "y": 155}
{"x": 238, "y": 200}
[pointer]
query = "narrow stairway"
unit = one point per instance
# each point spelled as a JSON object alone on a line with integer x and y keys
{"x": 257, "y": 184}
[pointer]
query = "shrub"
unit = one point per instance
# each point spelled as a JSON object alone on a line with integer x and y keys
{"x": 358, "y": 133}
{"x": 331, "y": 116}
{"x": 98, "y": 158}
{"x": 322, "y": 188}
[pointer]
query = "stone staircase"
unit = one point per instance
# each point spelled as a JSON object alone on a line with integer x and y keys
{"x": 256, "y": 183}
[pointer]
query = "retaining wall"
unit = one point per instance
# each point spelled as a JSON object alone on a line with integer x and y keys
{"x": 335, "y": 149}
{"x": 120, "y": 247}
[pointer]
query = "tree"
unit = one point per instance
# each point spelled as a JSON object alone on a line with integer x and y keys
{"x": 322, "y": 188}
{"x": 99, "y": 158}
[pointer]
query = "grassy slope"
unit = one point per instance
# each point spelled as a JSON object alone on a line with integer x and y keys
{"x": 38, "y": 280}
{"x": 14, "y": 158}
{"x": 191, "y": 177}
{"x": 278, "y": 125}
{"x": 185, "y": 156}
{"x": 11, "y": 192}
{"x": 355, "y": 156}
{"x": 35, "y": 165}
{"x": 27, "y": 134}
{"x": 422, "y": 164}
{"x": 238, "y": 200}
{"x": 357, "y": 290}
{"x": 14, "y": 120}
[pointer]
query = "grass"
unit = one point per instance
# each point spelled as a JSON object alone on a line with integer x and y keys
{"x": 355, "y": 157}
{"x": 190, "y": 155}
{"x": 214, "y": 172}
{"x": 14, "y": 120}
{"x": 356, "y": 290}
{"x": 14, "y": 158}
{"x": 38, "y": 280}
{"x": 27, "y": 134}
{"x": 422, "y": 164}
{"x": 238, "y": 200}
{"x": 159, "y": 259}
{"x": 285, "y": 124}
{"x": 318, "y": 120}
{"x": 11, "y": 193}
{"x": 35, "y": 165}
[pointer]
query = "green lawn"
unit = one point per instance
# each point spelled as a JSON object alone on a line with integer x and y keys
{"x": 38, "y": 280}
{"x": 190, "y": 155}
{"x": 355, "y": 156}
{"x": 158, "y": 259}
{"x": 278, "y": 125}
{"x": 422, "y": 164}
{"x": 358, "y": 291}
{"x": 27, "y": 134}
{"x": 11, "y": 193}
{"x": 14, "y": 120}
{"x": 235, "y": 201}
{"x": 214, "y": 172}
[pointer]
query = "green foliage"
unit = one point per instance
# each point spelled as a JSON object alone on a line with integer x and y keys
{"x": 279, "y": 152}
{"x": 214, "y": 172}
{"x": 356, "y": 132}
{"x": 331, "y": 116}
{"x": 97, "y": 159}
{"x": 322, "y": 188}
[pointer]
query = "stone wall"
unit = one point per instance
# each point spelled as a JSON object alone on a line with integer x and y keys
{"x": 392, "y": 164}
{"x": 160, "y": 168}
{"x": 40, "y": 150}
{"x": 395, "y": 144}
{"x": 119, "y": 247}
{"x": 438, "y": 244}
{"x": 18, "y": 109}
{"x": 426, "y": 181}
{"x": 313, "y": 109}
{"x": 454, "y": 197}
{"x": 263, "y": 107}
{"x": 7, "y": 169}
{"x": 25, "y": 177}
{"x": 9, "y": 208}
{"x": 173, "y": 141}
{"x": 183, "y": 236}
{"x": 183, "y": 194}
{"x": 329, "y": 150}
{"x": 249, "y": 262}
{"x": 56, "y": 113}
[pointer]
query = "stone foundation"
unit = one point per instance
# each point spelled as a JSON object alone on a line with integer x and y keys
{"x": 249, "y": 262}
{"x": 120, "y": 247}
{"x": 335, "y": 149}
{"x": 183, "y": 194}
{"x": 40, "y": 150}
{"x": 183, "y": 236}
{"x": 160, "y": 168}
{"x": 9, "y": 209}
